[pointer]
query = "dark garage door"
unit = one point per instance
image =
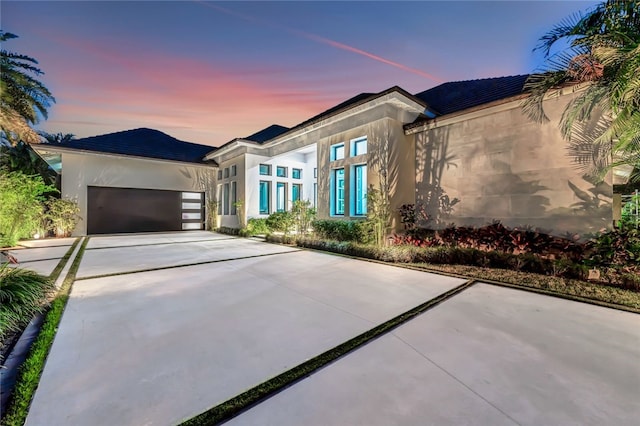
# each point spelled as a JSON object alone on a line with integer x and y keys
{"x": 117, "y": 210}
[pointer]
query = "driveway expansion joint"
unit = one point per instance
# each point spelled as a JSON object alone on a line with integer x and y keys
{"x": 235, "y": 406}
{"x": 161, "y": 244}
{"x": 162, "y": 268}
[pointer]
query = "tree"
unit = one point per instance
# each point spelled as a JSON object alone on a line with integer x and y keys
{"x": 57, "y": 138}
{"x": 23, "y": 99}
{"x": 603, "y": 53}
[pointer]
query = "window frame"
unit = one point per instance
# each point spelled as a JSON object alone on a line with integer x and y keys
{"x": 359, "y": 192}
{"x": 333, "y": 155}
{"x": 296, "y": 173}
{"x": 264, "y": 184}
{"x": 285, "y": 171}
{"x": 267, "y": 167}
{"x": 282, "y": 201}
{"x": 337, "y": 207}
{"x": 355, "y": 143}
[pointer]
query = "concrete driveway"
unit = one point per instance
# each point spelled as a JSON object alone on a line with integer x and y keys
{"x": 162, "y": 327}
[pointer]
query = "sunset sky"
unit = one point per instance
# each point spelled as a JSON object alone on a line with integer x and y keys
{"x": 207, "y": 72}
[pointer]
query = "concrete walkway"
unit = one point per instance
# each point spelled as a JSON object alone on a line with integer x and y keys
{"x": 42, "y": 256}
{"x": 160, "y": 346}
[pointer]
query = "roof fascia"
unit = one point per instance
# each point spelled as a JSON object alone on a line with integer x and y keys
{"x": 62, "y": 150}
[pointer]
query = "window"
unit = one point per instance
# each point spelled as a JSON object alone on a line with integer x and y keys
{"x": 220, "y": 198}
{"x": 337, "y": 192}
{"x": 226, "y": 172}
{"x": 315, "y": 172}
{"x": 225, "y": 199}
{"x": 315, "y": 195}
{"x": 296, "y": 191}
{"x": 281, "y": 171}
{"x": 233, "y": 170}
{"x": 265, "y": 169}
{"x": 219, "y": 174}
{"x": 337, "y": 152}
{"x": 265, "y": 197}
{"x": 359, "y": 191}
{"x": 296, "y": 173}
{"x": 234, "y": 210}
{"x": 281, "y": 196}
{"x": 359, "y": 146}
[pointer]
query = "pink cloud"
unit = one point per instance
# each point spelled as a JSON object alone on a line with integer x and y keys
{"x": 154, "y": 90}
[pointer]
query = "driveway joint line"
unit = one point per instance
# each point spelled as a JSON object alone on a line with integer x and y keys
{"x": 454, "y": 378}
{"x": 186, "y": 265}
{"x": 244, "y": 401}
{"x": 160, "y": 244}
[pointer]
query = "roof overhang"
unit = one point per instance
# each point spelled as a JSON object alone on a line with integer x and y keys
{"x": 50, "y": 150}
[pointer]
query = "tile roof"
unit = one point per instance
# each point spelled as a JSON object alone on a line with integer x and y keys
{"x": 459, "y": 95}
{"x": 143, "y": 143}
{"x": 268, "y": 133}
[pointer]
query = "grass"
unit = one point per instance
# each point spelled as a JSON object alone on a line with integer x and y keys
{"x": 31, "y": 370}
{"x": 408, "y": 256}
{"x": 24, "y": 293}
{"x": 615, "y": 297}
{"x": 236, "y": 405}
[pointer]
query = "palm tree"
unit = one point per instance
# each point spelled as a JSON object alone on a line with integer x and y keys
{"x": 603, "y": 55}
{"x": 57, "y": 138}
{"x": 23, "y": 99}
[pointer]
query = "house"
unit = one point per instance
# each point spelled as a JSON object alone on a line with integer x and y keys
{"x": 462, "y": 150}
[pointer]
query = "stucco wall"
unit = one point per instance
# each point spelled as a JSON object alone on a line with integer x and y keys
{"x": 80, "y": 170}
{"x": 500, "y": 165}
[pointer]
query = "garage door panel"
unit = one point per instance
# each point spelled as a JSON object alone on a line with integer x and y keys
{"x": 117, "y": 210}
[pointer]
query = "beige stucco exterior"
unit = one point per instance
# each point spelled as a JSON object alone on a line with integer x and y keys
{"x": 83, "y": 169}
{"x": 502, "y": 166}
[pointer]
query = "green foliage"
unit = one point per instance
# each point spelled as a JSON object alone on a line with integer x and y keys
{"x": 212, "y": 210}
{"x": 228, "y": 231}
{"x": 342, "y": 230}
{"x": 631, "y": 212}
{"x": 255, "y": 226}
{"x": 239, "y": 205}
{"x": 22, "y": 158}
{"x": 63, "y": 216}
{"x": 281, "y": 222}
{"x": 23, "y": 293}
{"x": 23, "y": 99}
{"x": 378, "y": 215}
{"x": 21, "y": 207}
{"x": 616, "y": 248}
{"x": 31, "y": 369}
{"x": 304, "y": 214}
{"x": 601, "y": 49}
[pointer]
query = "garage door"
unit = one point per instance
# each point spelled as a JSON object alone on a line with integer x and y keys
{"x": 118, "y": 210}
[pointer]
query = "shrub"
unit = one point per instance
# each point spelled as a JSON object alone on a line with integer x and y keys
{"x": 281, "y": 222}
{"x": 303, "y": 214}
{"x": 255, "y": 226}
{"x": 212, "y": 210}
{"x": 620, "y": 246}
{"x": 342, "y": 230}
{"x": 21, "y": 207}
{"x": 63, "y": 216}
{"x": 23, "y": 293}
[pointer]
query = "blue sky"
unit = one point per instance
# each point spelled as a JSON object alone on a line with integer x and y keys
{"x": 207, "y": 72}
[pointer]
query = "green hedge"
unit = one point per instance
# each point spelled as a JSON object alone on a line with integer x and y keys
{"x": 342, "y": 230}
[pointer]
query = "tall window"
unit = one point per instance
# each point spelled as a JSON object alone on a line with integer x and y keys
{"x": 281, "y": 171}
{"x": 359, "y": 146}
{"x": 225, "y": 199}
{"x": 337, "y": 192}
{"x": 359, "y": 190}
{"x": 296, "y": 191}
{"x": 315, "y": 195}
{"x": 234, "y": 199}
{"x": 281, "y": 196}
{"x": 233, "y": 170}
{"x": 337, "y": 152}
{"x": 220, "y": 198}
{"x": 226, "y": 172}
{"x": 265, "y": 196}
{"x": 265, "y": 169}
